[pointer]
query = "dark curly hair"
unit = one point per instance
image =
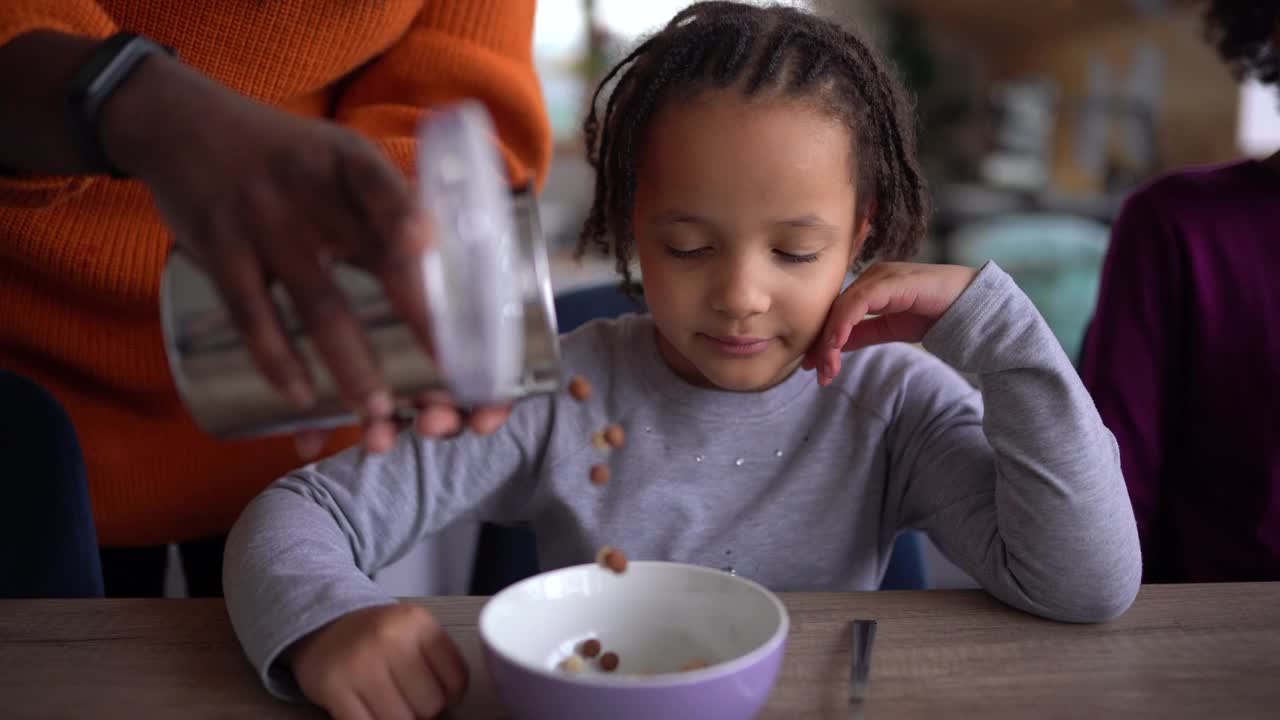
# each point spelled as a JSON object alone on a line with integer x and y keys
{"x": 781, "y": 49}
{"x": 1243, "y": 32}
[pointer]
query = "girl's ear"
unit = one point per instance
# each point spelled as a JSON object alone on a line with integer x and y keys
{"x": 861, "y": 233}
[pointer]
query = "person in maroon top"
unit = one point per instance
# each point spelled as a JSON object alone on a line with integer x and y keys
{"x": 1183, "y": 355}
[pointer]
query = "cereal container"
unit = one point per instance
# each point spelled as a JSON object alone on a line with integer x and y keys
{"x": 488, "y": 293}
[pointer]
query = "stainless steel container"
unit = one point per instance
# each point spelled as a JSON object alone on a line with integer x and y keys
{"x": 489, "y": 294}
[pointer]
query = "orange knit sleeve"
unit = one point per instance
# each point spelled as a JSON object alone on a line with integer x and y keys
{"x": 74, "y": 17}
{"x": 480, "y": 49}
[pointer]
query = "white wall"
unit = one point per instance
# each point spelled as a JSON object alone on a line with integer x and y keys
{"x": 1259, "y": 130}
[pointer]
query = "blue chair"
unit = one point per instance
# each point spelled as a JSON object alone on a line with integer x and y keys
{"x": 48, "y": 543}
{"x": 506, "y": 554}
{"x": 906, "y": 569}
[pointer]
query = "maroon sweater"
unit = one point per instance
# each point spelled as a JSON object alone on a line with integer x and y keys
{"x": 1183, "y": 360}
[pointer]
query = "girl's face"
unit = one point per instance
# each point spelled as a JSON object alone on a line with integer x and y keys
{"x": 744, "y": 227}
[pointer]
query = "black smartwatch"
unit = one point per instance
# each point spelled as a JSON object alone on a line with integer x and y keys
{"x": 96, "y": 80}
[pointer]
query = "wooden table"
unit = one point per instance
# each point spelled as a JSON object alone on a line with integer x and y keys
{"x": 1182, "y": 651}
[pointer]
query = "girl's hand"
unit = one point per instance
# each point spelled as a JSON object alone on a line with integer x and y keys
{"x": 391, "y": 661}
{"x": 907, "y": 298}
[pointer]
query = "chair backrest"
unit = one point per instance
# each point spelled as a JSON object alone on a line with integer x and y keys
{"x": 907, "y": 566}
{"x": 578, "y": 307}
{"x": 48, "y": 541}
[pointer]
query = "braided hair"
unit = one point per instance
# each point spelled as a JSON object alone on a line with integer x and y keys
{"x": 795, "y": 54}
{"x": 1242, "y": 31}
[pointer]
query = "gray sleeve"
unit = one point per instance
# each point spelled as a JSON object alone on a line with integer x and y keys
{"x": 1027, "y": 496}
{"x": 302, "y": 553}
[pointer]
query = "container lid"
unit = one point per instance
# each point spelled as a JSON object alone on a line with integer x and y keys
{"x": 471, "y": 269}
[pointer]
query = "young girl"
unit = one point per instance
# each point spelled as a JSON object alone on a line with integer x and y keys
{"x": 748, "y": 158}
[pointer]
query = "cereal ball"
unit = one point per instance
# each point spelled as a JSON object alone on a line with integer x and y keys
{"x": 599, "y": 474}
{"x": 580, "y": 388}
{"x": 612, "y": 558}
{"x": 697, "y": 664}
{"x": 573, "y": 664}
{"x": 598, "y": 441}
{"x": 591, "y": 648}
{"x": 614, "y": 436}
{"x": 609, "y": 661}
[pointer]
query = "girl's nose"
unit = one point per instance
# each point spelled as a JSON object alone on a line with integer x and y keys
{"x": 739, "y": 290}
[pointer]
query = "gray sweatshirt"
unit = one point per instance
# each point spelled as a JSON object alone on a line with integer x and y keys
{"x": 798, "y": 487}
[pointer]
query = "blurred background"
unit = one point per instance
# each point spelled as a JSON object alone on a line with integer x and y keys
{"x": 1035, "y": 120}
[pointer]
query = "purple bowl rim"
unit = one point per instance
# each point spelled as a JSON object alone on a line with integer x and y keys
{"x": 674, "y": 679}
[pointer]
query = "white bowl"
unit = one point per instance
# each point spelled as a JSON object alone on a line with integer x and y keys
{"x": 658, "y": 617}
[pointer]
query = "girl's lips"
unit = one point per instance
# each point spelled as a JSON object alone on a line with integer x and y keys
{"x": 737, "y": 345}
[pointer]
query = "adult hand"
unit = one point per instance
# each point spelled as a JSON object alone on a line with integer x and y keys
{"x": 257, "y": 195}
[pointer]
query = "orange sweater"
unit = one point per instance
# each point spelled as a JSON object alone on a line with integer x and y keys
{"x": 80, "y": 258}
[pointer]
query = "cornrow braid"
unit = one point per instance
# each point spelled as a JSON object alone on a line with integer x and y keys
{"x": 715, "y": 45}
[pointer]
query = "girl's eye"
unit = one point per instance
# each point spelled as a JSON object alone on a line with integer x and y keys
{"x": 788, "y": 257}
{"x": 696, "y": 252}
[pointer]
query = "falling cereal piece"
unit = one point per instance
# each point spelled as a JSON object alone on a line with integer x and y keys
{"x": 599, "y": 474}
{"x": 580, "y": 388}
{"x": 697, "y": 664}
{"x": 612, "y": 558}
{"x": 614, "y": 436}
{"x": 573, "y": 664}
{"x": 598, "y": 441}
{"x": 609, "y": 661}
{"x": 590, "y": 648}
